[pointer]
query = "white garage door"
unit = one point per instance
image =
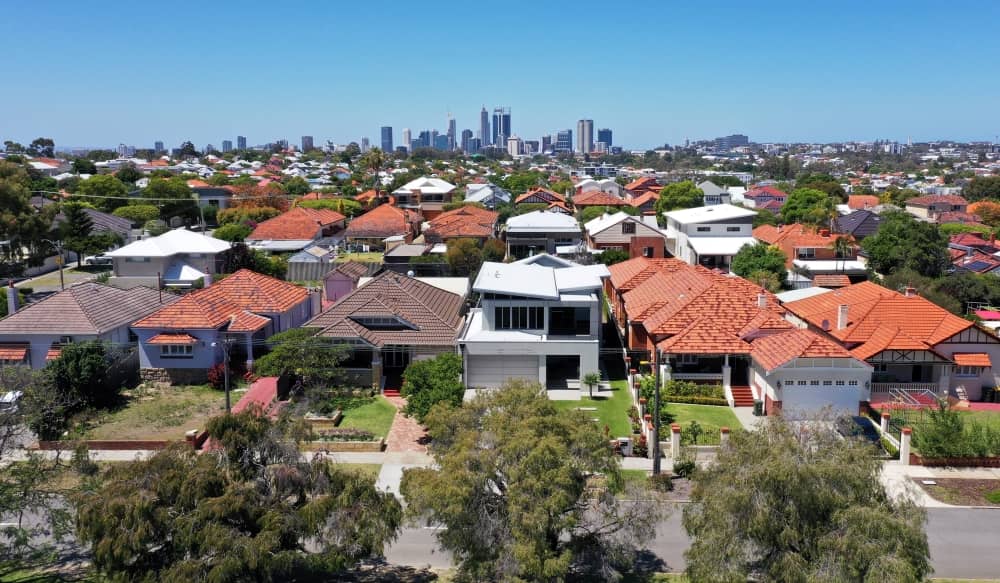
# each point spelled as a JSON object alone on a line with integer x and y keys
{"x": 804, "y": 401}
{"x": 491, "y": 371}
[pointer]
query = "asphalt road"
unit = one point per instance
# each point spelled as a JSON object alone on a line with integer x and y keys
{"x": 963, "y": 544}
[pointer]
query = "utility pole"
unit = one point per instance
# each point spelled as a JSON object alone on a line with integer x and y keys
{"x": 656, "y": 413}
{"x": 225, "y": 368}
{"x": 59, "y": 260}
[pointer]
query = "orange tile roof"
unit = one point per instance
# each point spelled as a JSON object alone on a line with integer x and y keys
{"x": 644, "y": 198}
{"x": 245, "y": 321}
{"x": 775, "y": 350}
{"x": 54, "y": 352}
{"x": 862, "y": 201}
{"x": 172, "y": 338}
{"x": 13, "y": 352}
{"x": 598, "y": 198}
{"x": 644, "y": 183}
{"x": 297, "y": 224}
{"x": 831, "y": 280}
{"x": 791, "y": 238}
{"x": 972, "y": 359}
{"x": 543, "y": 194}
{"x": 465, "y": 221}
{"x": 382, "y": 221}
{"x": 922, "y": 201}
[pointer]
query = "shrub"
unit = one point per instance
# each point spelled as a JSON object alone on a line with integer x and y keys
{"x": 232, "y": 232}
{"x": 889, "y": 448}
{"x": 217, "y": 376}
{"x": 993, "y": 497}
{"x": 662, "y": 482}
{"x": 684, "y": 467}
{"x": 640, "y": 448}
{"x": 693, "y": 432}
{"x": 345, "y": 434}
{"x": 694, "y": 400}
{"x": 138, "y": 213}
{"x": 432, "y": 381}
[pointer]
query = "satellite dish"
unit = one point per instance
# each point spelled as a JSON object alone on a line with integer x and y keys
{"x": 409, "y": 273}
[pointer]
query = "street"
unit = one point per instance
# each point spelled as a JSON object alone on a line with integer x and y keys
{"x": 962, "y": 541}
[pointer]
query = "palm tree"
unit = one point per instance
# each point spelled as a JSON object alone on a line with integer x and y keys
{"x": 842, "y": 248}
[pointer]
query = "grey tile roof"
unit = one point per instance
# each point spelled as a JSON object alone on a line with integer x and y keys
{"x": 86, "y": 309}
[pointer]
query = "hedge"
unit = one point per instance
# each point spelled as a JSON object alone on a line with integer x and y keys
{"x": 695, "y": 400}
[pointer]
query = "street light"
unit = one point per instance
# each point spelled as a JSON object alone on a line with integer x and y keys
{"x": 59, "y": 260}
{"x": 225, "y": 344}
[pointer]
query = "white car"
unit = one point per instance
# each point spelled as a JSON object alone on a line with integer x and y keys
{"x": 98, "y": 260}
{"x": 8, "y": 402}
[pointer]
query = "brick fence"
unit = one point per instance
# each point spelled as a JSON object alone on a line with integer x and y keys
{"x": 955, "y": 462}
{"x": 113, "y": 445}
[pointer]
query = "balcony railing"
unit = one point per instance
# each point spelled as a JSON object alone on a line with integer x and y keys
{"x": 906, "y": 387}
{"x": 696, "y": 376}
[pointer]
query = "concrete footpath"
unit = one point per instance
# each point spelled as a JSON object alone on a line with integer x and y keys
{"x": 898, "y": 480}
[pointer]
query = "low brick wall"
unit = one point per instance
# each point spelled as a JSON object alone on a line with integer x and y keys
{"x": 344, "y": 446}
{"x": 115, "y": 445}
{"x": 174, "y": 376}
{"x": 320, "y": 423}
{"x": 955, "y": 462}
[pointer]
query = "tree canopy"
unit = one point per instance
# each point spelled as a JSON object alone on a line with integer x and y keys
{"x": 93, "y": 189}
{"x": 299, "y": 351}
{"x": 786, "y": 504}
{"x": 679, "y": 195}
{"x": 754, "y": 262}
{"x": 515, "y": 487}
{"x": 431, "y": 381}
{"x": 904, "y": 242}
{"x": 982, "y": 187}
{"x": 809, "y": 207}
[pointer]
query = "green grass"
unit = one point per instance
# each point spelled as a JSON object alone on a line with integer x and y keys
{"x": 367, "y": 470}
{"x": 371, "y": 257}
{"x": 612, "y": 412}
{"x": 157, "y": 414}
{"x": 710, "y": 417}
{"x": 375, "y": 417}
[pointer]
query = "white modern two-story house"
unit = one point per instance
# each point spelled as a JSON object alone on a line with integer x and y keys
{"x": 709, "y": 235}
{"x": 177, "y": 258}
{"x": 538, "y": 319}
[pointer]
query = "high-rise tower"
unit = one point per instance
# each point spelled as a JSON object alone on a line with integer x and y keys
{"x": 585, "y": 135}
{"x": 484, "y": 127}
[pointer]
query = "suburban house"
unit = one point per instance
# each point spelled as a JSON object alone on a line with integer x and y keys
{"x": 811, "y": 251}
{"x": 104, "y": 223}
{"x": 388, "y": 322}
{"x": 382, "y": 222}
{"x": 427, "y": 195}
{"x": 765, "y": 197}
{"x": 177, "y": 258}
{"x": 489, "y": 195}
{"x": 295, "y": 229}
{"x": 862, "y": 201}
{"x": 918, "y": 350}
{"x": 710, "y": 235}
{"x": 970, "y": 252}
{"x": 625, "y": 233}
{"x": 210, "y": 195}
{"x": 34, "y": 334}
{"x": 538, "y": 319}
{"x": 606, "y": 185}
{"x": 930, "y": 207}
{"x": 712, "y": 328}
{"x": 540, "y": 195}
{"x": 858, "y": 224}
{"x": 465, "y": 222}
{"x": 643, "y": 185}
{"x": 343, "y": 279}
{"x": 645, "y": 203}
{"x": 714, "y": 194}
{"x": 598, "y": 198}
{"x": 541, "y": 231}
{"x": 180, "y": 342}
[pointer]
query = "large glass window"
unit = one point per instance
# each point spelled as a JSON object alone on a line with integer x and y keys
{"x": 518, "y": 318}
{"x": 176, "y": 351}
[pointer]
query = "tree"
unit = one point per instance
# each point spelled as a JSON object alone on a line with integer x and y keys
{"x": 679, "y": 195}
{"x": 129, "y": 174}
{"x": 790, "y": 504}
{"x": 904, "y": 242}
{"x": 297, "y": 186}
{"x": 250, "y": 510}
{"x": 592, "y": 212}
{"x": 103, "y": 191}
{"x": 302, "y": 353}
{"x": 188, "y": 150}
{"x": 43, "y": 147}
{"x": 612, "y": 256}
{"x": 173, "y": 197}
{"x": 753, "y": 259}
{"x": 344, "y": 206}
{"x": 988, "y": 211}
{"x": 232, "y": 232}
{"x": 246, "y": 215}
{"x": 515, "y": 487}
{"x": 81, "y": 372}
{"x": 464, "y": 256}
{"x": 982, "y": 187}
{"x": 84, "y": 166}
{"x": 809, "y": 207}
{"x": 823, "y": 182}
{"x": 138, "y": 213}
{"x": 431, "y": 381}
{"x": 76, "y": 229}
{"x": 494, "y": 250}
{"x": 591, "y": 379}
{"x": 764, "y": 217}
{"x": 723, "y": 181}
{"x": 843, "y": 247}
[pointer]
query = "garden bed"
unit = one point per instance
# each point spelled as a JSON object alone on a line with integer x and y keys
{"x": 963, "y": 492}
{"x": 344, "y": 446}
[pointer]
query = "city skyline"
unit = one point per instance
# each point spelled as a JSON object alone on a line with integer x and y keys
{"x": 781, "y": 72}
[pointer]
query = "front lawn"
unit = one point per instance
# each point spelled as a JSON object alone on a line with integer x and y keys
{"x": 155, "y": 414}
{"x": 370, "y": 257}
{"x": 710, "y": 417}
{"x": 375, "y": 416}
{"x": 611, "y": 412}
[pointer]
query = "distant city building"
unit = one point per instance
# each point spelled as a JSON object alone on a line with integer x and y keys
{"x": 387, "y": 138}
{"x": 227, "y": 146}
{"x": 158, "y": 146}
{"x": 365, "y": 145}
{"x": 585, "y": 135}
{"x": 209, "y": 148}
{"x": 307, "y": 143}
{"x": 475, "y": 144}
{"x": 484, "y": 127}
{"x": 546, "y": 144}
{"x": 442, "y": 142}
{"x": 501, "y": 125}
{"x": 424, "y": 139}
{"x": 452, "y": 133}
{"x": 604, "y": 135}
{"x": 241, "y": 142}
{"x": 515, "y": 147}
{"x": 466, "y": 136}
{"x": 407, "y": 138}
{"x": 564, "y": 141}
{"x": 531, "y": 147}
{"x": 601, "y": 147}
{"x": 125, "y": 151}
{"x": 282, "y": 144}
{"x": 731, "y": 142}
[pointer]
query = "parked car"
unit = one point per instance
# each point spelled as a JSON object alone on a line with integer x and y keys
{"x": 8, "y": 402}
{"x": 97, "y": 260}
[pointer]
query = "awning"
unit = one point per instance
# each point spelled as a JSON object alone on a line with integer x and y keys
{"x": 173, "y": 338}
{"x": 182, "y": 272}
{"x": 972, "y": 359}
{"x": 53, "y": 353}
{"x": 719, "y": 245}
{"x": 13, "y": 352}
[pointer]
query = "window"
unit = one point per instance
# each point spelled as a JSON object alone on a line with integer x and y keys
{"x": 806, "y": 253}
{"x": 814, "y": 383}
{"x": 628, "y": 228}
{"x": 827, "y": 383}
{"x": 704, "y": 229}
{"x": 137, "y": 260}
{"x": 518, "y": 318}
{"x": 687, "y": 359}
{"x": 386, "y": 322}
{"x": 802, "y": 383}
{"x": 132, "y": 338}
{"x": 732, "y": 229}
{"x": 647, "y": 251}
{"x": 967, "y": 371}
{"x": 176, "y": 351}
{"x": 840, "y": 383}
{"x": 65, "y": 340}
{"x": 852, "y": 383}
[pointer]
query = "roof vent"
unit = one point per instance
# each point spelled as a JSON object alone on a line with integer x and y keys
{"x": 825, "y": 325}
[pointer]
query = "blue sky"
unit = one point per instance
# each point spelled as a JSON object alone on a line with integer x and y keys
{"x": 89, "y": 74}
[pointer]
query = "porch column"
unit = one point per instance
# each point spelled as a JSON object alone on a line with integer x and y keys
{"x": 727, "y": 373}
{"x": 377, "y": 370}
{"x": 944, "y": 381}
{"x": 249, "y": 344}
{"x": 542, "y": 372}
{"x": 665, "y": 371}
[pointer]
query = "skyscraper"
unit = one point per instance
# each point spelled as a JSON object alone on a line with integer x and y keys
{"x": 307, "y": 143}
{"x": 466, "y": 137}
{"x": 387, "y": 138}
{"x": 452, "y": 132}
{"x": 365, "y": 145}
{"x": 227, "y": 146}
{"x": 474, "y": 145}
{"x": 484, "y": 127}
{"x": 515, "y": 147}
{"x": 564, "y": 141}
{"x": 406, "y": 138}
{"x": 424, "y": 139}
{"x": 241, "y": 142}
{"x": 546, "y": 145}
{"x": 585, "y": 135}
{"x": 604, "y": 135}
{"x": 158, "y": 146}
{"x": 730, "y": 142}
{"x": 441, "y": 142}
{"x": 501, "y": 126}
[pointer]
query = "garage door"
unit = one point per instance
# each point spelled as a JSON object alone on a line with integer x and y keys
{"x": 491, "y": 371}
{"x": 805, "y": 401}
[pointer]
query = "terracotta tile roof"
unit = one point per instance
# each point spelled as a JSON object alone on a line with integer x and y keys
{"x": 977, "y": 261}
{"x": 297, "y": 224}
{"x": 352, "y": 269}
{"x": 703, "y": 337}
{"x": 13, "y": 352}
{"x": 879, "y": 318}
{"x": 765, "y": 191}
{"x": 831, "y": 280}
{"x": 968, "y": 240}
{"x": 627, "y": 275}
{"x": 598, "y": 198}
{"x": 539, "y": 195}
{"x": 218, "y": 304}
{"x": 645, "y": 183}
{"x": 959, "y": 217}
{"x": 435, "y": 314}
{"x": 769, "y": 205}
{"x": 87, "y": 309}
{"x": 245, "y": 321}
{"x": 923, "y": 201}
{"x": 862, "y": 201}
{"x": 776, "y": 350}
{"x": 465, "y": 221}
{"x": 366, "y": 196}
{"x": 791, "y": 238}
{"x": 380, "y": 222}
{"x": 972, "y": 359}
{"x": 172, "y": 338}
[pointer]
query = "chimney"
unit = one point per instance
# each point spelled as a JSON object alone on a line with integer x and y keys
{"x": 762, "y": 300}
{"x": 842, "y": 312}
{"x": 993, "y": 238}
{"x": 824, "y": 232}
{"x": 207, "y": 280}
{"x": 11, "y": 298}
{"x": 910, "y": 291}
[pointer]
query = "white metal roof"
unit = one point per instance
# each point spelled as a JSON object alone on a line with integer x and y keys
{"x": 711, "y": 213}
{"x": 542, "y": 220}
{"x": 801, "y": 294}
{"x": 719, "y": 245}
{"x": 171, "y": 243}
{"x": 455, "y": 285}
{"x": 536, "y": 281}
{"x": 426, "y": 185}
{"x": 831, "y": 265}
